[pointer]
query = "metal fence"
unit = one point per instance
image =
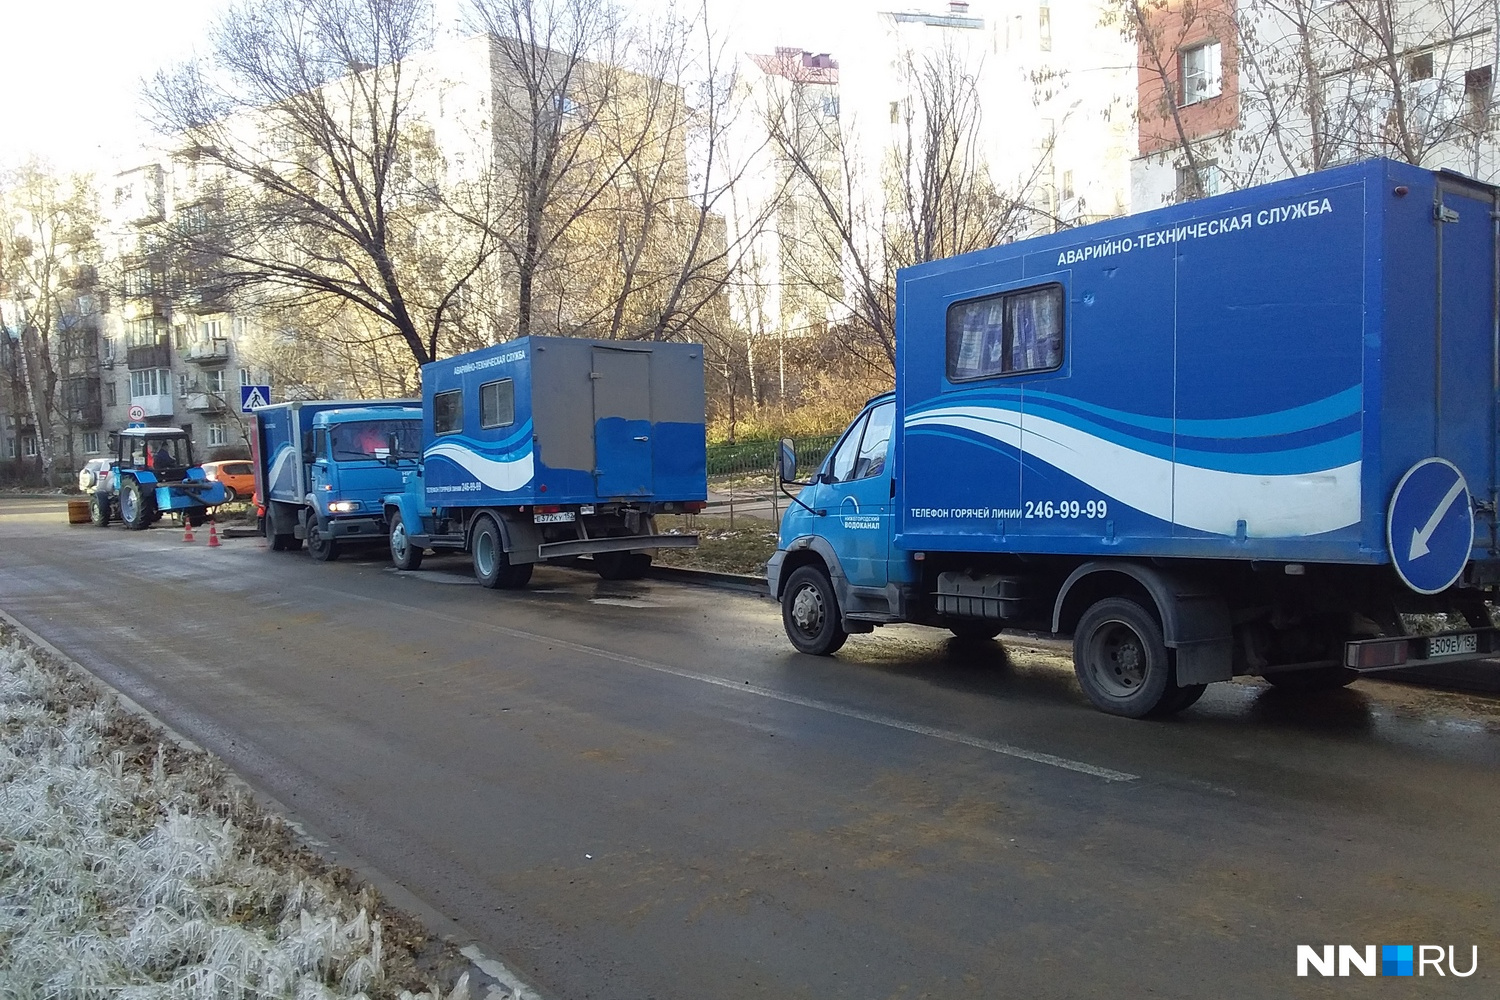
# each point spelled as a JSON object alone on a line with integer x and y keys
{"x": 758, "y": 456}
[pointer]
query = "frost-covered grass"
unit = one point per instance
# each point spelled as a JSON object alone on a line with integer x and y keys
{"x": 130, "y": 867}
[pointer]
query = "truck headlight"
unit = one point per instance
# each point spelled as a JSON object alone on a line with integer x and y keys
{"x": 343, "y": 506}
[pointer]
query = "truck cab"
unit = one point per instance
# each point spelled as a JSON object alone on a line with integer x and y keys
{"x": 357, "y": 456}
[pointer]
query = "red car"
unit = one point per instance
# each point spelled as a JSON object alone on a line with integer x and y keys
{"x": 237, "y": 476}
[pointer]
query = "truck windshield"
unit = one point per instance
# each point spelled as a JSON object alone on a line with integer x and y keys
{"x": 352, "y": 442}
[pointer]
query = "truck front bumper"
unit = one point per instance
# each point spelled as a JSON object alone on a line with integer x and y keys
{"x": 370, "y": 528}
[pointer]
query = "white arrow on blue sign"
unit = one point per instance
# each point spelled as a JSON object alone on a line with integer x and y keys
{"x": 252, "y": 396}
{"x": 1429, "y": 528}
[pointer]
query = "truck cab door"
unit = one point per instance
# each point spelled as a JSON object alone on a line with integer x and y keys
{"x": 320, "y": 470}
{"x": 855, "y": 489}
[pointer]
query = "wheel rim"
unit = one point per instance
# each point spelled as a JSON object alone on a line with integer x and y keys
{"x": 1117, "y": 658}
{"x": 398, "y": 541}
{"x": 316, "y": 540}
{"x": 807, "y": 610}
{"x": 484, "y": 553}
{"x": 128, "y": 504}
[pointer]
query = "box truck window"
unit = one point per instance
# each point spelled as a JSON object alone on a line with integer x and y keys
{"x": 497, "y": 404}
{"x": 841, "y": 462}
{"x": 1006, "y": 334}
{"x": 871, "y": 461}
{"x": 448, "y": 412}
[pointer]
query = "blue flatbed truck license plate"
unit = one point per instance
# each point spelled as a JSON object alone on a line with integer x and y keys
{"x": 560, "y": 517}
{"x": 1452, "y": 645}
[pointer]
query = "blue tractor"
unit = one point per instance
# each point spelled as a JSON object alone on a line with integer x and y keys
{"x": 154, "y": 473}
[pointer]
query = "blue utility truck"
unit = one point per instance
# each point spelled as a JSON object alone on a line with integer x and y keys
{"x": 323, "y": 468}
{"x": 547, "y": 448}
{"x": 1252, "y": 434}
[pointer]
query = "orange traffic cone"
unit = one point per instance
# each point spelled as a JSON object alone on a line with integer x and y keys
{"x": 187, "y": 529}
{"x": 213, "y": 534}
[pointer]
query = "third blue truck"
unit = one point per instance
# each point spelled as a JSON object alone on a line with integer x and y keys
{"x": 1252, "y": 434}
{"x": 545, "y": 448}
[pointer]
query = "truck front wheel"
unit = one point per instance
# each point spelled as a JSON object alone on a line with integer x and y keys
{"x": 404, "y": 554}
{"x": 492, "y": 566}
{"x": 1122, "y": 662}
{"x": 319, "y": 544}
{"x": 810, "y": 612}
{"x": 99, "y": 510}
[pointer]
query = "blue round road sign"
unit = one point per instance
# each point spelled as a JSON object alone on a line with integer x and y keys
{"x": 1429, "y": 528}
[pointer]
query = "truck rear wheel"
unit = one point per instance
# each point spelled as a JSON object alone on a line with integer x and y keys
{"x": 810, "y": 613}
{"x": 404, "y": 554}
{"x": 1122, "y": 662}
{"x": 492, "y": 566}
{"x": 134, "y": 507}
{"x": 621, "y": 565}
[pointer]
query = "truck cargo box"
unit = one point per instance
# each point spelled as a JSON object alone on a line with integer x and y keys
{"x": 1248, "y": 376}
{"x": 550, "y": 420}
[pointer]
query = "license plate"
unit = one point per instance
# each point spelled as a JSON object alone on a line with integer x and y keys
{"x": 562, "y": 517}
{"x": 1452, "y": 645}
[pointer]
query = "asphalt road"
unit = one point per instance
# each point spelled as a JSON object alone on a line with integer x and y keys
{"x": 638, "y": 790}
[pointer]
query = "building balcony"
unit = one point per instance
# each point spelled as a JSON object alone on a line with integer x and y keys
{"x": 155, "y": 406}
{"x": 204, "y": 402}
{"x": 149, "y": 356}
{"x": 144, "y": 304}
{"x": 204, "y": 299}
{"x": 207, "y": 352}
{"x": 90, "y": 414}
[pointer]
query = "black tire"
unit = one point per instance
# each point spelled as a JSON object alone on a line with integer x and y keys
{"x": 1121, "y": 661}
{"x": 285, "y": 543}
{"x": 99, "y": 510}
{"x": 404, "y": 554}
{"x": 1181, "y": 698}
{"x": 492, "y": 565}
{"x": 974, "y": 631}
{"x": 135, "y": 510}
{"x": 1318, "y": 679}
{"x": 621, "y": 565}
{"x": 197, "y": 518}
{"x": 319, "y": 545}
{"x": 230, "y": 496}
{"x": 810, "y": 613}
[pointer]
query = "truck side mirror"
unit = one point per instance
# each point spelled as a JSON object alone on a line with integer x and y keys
{"x": 393, "y": 448}
{"x": 786, "y": 460}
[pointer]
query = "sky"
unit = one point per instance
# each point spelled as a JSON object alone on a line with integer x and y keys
{"x": 75, "y": 69}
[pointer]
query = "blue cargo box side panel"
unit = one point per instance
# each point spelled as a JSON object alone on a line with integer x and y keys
{"x": 278, "y": 453}
{"x": 1216, "y": 392}
{"x": 547, "y": 442}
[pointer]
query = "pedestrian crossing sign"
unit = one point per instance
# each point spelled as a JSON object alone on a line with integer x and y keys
{"x": 252, "y": 396}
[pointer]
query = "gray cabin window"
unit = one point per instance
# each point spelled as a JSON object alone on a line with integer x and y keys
{"x": 497, "y": 404}
{"x": 1006, "y": 334}
{"x": 448, "y": 412}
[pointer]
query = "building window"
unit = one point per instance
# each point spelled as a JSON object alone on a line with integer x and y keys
{"x": 210, "y": 330}
{"x": 216, "y": 381}
{"x": 28, "y": 446}
{"x": 895, "y": 112}
{"x": 245, "y": 377}
{"x": 150, "y": 382}
{"x": 109, "y": 395}
{"x": 183, "y": 385}
{"x": 1420, "y": 67}
{"x": 179, "y": 337}
{"x": 830, "y": 107}
{"x": 497, "y": 404}
{"x": 1202, "y": 73}
{"x": 1208, "y": 181}
{"x": 1044, "y": 22}
{"x": 10, "y": 447}
{"x": 1477, "y": 88}
{"x": 1006, "y": 334}
{"x": 216, "y": 435}
{"x": 1067, "y": 185}
{"x": 448, "y": 412}
{"x": 91, "y": 442}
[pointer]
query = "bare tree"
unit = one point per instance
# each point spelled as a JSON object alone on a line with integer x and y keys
{"x": 317, "y": 180}
{"x": 932, "y": 196}
{"x": 1330, "y": 83}
{"x": 48, "y": 244}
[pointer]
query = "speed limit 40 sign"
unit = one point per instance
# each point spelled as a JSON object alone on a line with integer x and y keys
{"x": 137, "y": 411}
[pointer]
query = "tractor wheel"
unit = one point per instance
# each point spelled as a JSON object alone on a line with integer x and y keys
{"x": 135, "y": 510}
{"x": 197, "y": 518}
{"x": 99, "y": 510}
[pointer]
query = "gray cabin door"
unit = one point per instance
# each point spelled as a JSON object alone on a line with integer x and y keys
{"x": 622, "y": 422}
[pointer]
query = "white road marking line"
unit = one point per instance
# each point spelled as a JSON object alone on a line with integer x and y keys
{"x": 993, "y": 746}
{"x": 511, "y": 985}
{"x": 627, "y": 602}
